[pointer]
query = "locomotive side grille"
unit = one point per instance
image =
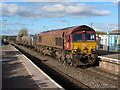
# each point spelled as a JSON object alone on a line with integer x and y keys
{"x": 58, "y": 41}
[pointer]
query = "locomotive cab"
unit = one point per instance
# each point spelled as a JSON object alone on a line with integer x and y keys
{"x": 82, "y": 43}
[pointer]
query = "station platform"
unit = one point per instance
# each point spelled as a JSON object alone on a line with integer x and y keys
{"x": 18, "y": 72}
{"x": 110, "y": 60}
{"x": 109, "y": 54}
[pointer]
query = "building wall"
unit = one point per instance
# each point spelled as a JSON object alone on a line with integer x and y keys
{"x": 114, "y": 42}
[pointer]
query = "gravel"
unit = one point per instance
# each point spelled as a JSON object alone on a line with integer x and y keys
{"x": 71, "y": 71}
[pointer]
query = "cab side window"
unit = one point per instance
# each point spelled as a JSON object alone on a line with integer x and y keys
{"x": 40, "y": 39}
{"x": 68, "y": 38}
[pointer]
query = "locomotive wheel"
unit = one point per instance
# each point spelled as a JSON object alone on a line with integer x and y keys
{"x": 64, "y": 62}
{"x": 91, "y": 60}
{"x": 60, "y": 58}
{"x": 76, "y": 61}
{"x": 63, "y": 58}
{"x": 53, "y": 54}
{"x": 69, "y": 60}
{"x": 71, "y": 63}
{"x": 84, "y": 60}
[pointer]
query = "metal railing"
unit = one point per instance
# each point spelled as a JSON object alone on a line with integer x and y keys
{"x": 109, "y": 48}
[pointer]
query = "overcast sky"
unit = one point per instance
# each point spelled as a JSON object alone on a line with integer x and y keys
{"x": 37, "y": 17}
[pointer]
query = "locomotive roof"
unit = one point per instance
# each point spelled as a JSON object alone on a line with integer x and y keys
{"x": 67, "y": 30}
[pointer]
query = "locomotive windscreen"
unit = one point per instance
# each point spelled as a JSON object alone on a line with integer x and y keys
{"x": 90, "y": 37}
{"x": 77, "y": 37}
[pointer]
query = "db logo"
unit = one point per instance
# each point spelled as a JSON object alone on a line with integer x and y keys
{"x": 84, "y": 45}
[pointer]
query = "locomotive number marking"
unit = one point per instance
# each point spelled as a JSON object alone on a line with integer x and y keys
{"x": 84, "y": 45}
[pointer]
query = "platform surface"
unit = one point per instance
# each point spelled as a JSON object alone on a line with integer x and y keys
{"x": 19, "y": 72}
{"x": 109, "y": 54}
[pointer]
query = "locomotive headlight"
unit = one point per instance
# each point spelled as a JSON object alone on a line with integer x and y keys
{"x": 76, "y": 50}
{"x": 92, "y": 50}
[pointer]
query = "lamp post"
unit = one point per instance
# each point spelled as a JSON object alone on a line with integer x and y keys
{"x": 1, "y": 31}
{"x": 91, "y": 24}
{"x": 44, "y": 28}
{"x": 68, "y": 23}
{"x": 108, "y": 40}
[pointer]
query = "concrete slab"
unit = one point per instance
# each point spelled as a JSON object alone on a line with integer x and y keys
{"x": 109, "y": 54}
{"x": 17, "y": 67}
{"x": 14, "y": 74}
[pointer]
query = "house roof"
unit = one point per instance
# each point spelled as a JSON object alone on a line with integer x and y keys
{"x": 115, "y": 32}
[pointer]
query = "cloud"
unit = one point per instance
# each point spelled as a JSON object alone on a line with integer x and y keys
{"x": 11, "y": 31}
{"x": 104, "y": 27}
{"x": 62, "y": 20}
{"x": 60, "y": 1}
{"x": 53, "y": 10}
{"x": 36, "y": 1}
{"x": 9, "y": 9}
{"x": 114, "y": 3}
{"x": 20, "y": 24}
{"x": 15, "y": 31}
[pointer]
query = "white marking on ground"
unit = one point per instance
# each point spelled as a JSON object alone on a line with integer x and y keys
{"x": 111, "y": 59}
{"x": 40, "y": 71}
{"x": 1, "y": 60}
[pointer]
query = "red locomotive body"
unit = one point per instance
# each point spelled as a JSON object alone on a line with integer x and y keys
{"x": 68, "y": 43}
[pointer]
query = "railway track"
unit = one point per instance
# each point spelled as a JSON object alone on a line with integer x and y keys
{"x": 92, "y": 72}
{"x": 100, "y": 74}
{"x": 66, "y": 81}
{"x": 105, "y": 72}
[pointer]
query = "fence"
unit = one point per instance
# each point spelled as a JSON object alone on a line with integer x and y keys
{"x": 109, "y": 42}
{"x": 110, "y": 48}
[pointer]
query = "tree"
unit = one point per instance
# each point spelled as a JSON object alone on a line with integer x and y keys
{"x": 23, "y": 32}
{"x": 100, "y": 33}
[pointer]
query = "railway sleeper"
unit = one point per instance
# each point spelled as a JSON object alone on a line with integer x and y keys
{"x": 48, "y": 52}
